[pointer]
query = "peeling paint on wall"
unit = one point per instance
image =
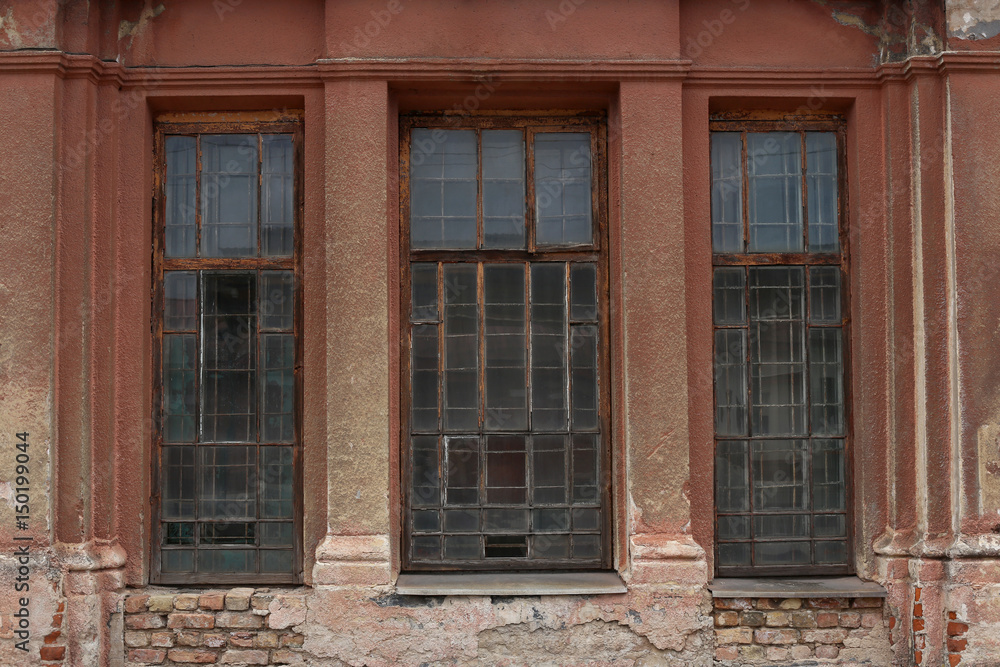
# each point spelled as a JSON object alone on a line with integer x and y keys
{"x": 973, "y": 19}
{"x": 132, "y": 28}
{"x": 989, "y": 469}
{"x": 9, "y": 27}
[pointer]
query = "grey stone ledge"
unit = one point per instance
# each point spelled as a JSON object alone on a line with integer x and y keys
{"x": 805, "y": 587}
{"x": 510, "y": 583}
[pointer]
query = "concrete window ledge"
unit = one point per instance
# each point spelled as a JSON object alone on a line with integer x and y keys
{"x": 805, "y": 587}
{"x": 510, "y": 583}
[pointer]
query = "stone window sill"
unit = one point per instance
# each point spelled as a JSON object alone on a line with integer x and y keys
{"x": 510, "y": 583}
{"x": 805, "y": 587}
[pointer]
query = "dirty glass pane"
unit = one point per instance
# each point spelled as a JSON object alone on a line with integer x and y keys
{"x": 180, "y": 306}
{"x": 549, "y": 377}
{"x": 730, "y": 382}
{"x": 227, "y": 560}
{"x": 821, "y": 184}
{"x": 496, "y": 520}
{"x": 506, "y": 469}
{"x": 781, "y": 553}
{"x": 833, "y": 551}
{"x": 503, "y": 189}
{"x": 734, "y": 554}
{"x": 583, "y": 291}
{"x": 276, "y": 483}
{"x": 826, "y": 389}
{"x": 179, "y": 401}
{"x": 177, "y": 560}
{"x": 586, "y": 469}
{"x": 275, "y": 533}
{"x": 424, "y": 368}
{"x": 178, "y": 533}
{"x": 462, "y": 547}
{"x": 461, "y": 348}
{"x": 586, "y": 546}
{"x": 550, "y": 546}
{"x": 768, "y": 526}
{"x": 462, "y": 482}
{"x": 276, "y": 303}
{"x": 777, "y": 351}
{"x": 829, "y": 525}
{"x": 774, "y": 166}
{"x": 734, "y": 527}
{"x": 563, "y": 189}
{"x": 426, "y": 548}
{"x": 276, "y": 560}
{"x": 425, "y": 521}
{"x": 277, "y": 216}
{"x": 727, "y": 192}
{"x": 180, "y": 222}
{"x": 549, "y": 467}
{"x": 425, "y": 483}
{"x": 178, "y": 485}
{"x": 732, "y": 489}
{"x": 828, "y": 475}
{"x": 505, "y": 330}
{"x": 443, "y": 188}
{"x": 729, "y": 295}
{"x": 229, "y": 195}
{"x": 780, "y": 474}
{"x": 461, "y": 521}
{"x": 824, "y": 295}
{"x": 229, "y": 400}
{"x": 277, "y": 412}
{"x": 227, "y": 482}
{"x": 423, "y": 292}
{"x": 583, "y": 364}
{"x": 550, "y": 520}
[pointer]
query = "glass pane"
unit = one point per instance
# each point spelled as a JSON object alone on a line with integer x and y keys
{"x": 425, "y": 521}
{"x": 178, "y": 533}
{"x": 424, "y": 367}
{"x": 505, "y": 520}
{"x": 549, "y": 377}
{"x": 461, "y": 348}
{"x": 730, "y": 382}
{"x": 276, "y": 560}
{"x": 276, "y": 303}
{"x": 227, "y": 481}
{"x": 829, "y": 525}
{"x": 277, "y": 195}
{"x": 826, "y": 388}
{"x": 779, "y": 474}
{"x": 503, "y": 189}
{"x": 781, "y": 525}
{"x": 180, "y": 223}
{"x": 550, "y": 546}
{"x": 229, "y": 195}
{"x": 461, "y": 521}
{"x": 227, "y": 560}
{"x": 275, "y": 534}
{"x": 178, "y": 485}
{"x": 463, "y": 471}
{"x": 461, "y": 547}
{"x": 563, "y": 189}
{"x": 278, "y": 409}
{"x": 583, "y": 291}
{"x": 824, "y": 295}
{"x": 505, "y": 364}
{"x": 828, "y": 475}
{"x": 177, "y": 560}
{"x": 821, "y": 184}
{"x": 586, "y": 546}
{"x": 180, "y": 306}
{"x": 550, "y": 521}
{"x": 276, "y": 483}
{"x": 734, "y": 527}
{"x": 729, "y": 295}
{"x": 727, "y": 192}
{"x": 228, "y": 533}
{"x": 586, "y": 469}
{"x": 426, "y": 548}
{"x": 777, "y": 351}
{"x": 443, "y": 188}
{"x": 425, "y": 483}
{"x": 781, "y": 553}
{"x": 734, "y": 554}
{"x": 506, "y": 469}
{"x": 179, "y": 397}
{"x": 732, "y": 489}
{"x": 774, "y": 164}
{"x": 831, "y": 552}
{"x": 229, "y": 400}
{"x": 583, "y": 361}
{"x": 549, "y": 469}
{"x": 423, "y": 292}
{"x": 586, "y": 519}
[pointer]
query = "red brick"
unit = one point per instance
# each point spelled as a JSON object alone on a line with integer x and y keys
{"x": 955, "y": 628}
{"x": 52, "y": 637}
{"x": 230, "y": 619}
{"x": 802, "y": 619}
{"x": 727, "y": 653}
{"x": 776, "y": 636}
{"x": 753, "y": 619}
{"x": 245, "y": 657}
{"x": 918, "y": 625}
{"x": 916, "y": 594}
{"x": 737, "y": 604}
{"x": 188, "y": 638}
{"x": 199, "y": 621}
{"x": 954, "y": 659}
{"x": 61, "y": 608}
{"x": 866, "y": 602}
{"x": 871, "y": 620}
{"x": 52, "y": 652}
{"x": 144, "y": 621}
{"x": 162, "y": 639}
{"x": 956, "y": 645}
{"x": 189, "y": 656}
{"x": 918, "y": 610}
{"x": 827, "y": 603}
{"x": 213, "y": 601}
{"x": 952, "y": 615}
{"x": 215, "y": 640}
{"x": 828, "y": 652}
{"x": 136, "y": 604}
{"x": 892, "y": 622}
{"x": 734, "y": 636}
{"x": 831, "y": 636}
{"x": 827, "y": 619}
{"x": 57, "y": 621}
{"x": 777, "y": 653}
{"x": 244, "y": 639}
{"x": 726, "y": 619}
{"x": 918, "y": 657}
{"x": 850, "y": 619}
{"x": 148, "y": 655}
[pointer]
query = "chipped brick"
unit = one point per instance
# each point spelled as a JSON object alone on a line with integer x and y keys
{"x": 777, "y": 653}
{"x": 136, "y": 604}
{"x": 212, "y": 601}
{"x": 776, "y": 636}
{"x": 802, "y": 619}
{"x": 188, "y": 638}
{"x": 737, "y": 604}
{"x": 292, "y": 639}
{"x": 162, "y": 639}
{"x": 243, "y": 639}
{"x": 776, "y": 619}
{"x": 147, "y": 655}
{"x": 827, "y": 603}
{"x": 725, "y": 619}
{"x": 199, "y": 621}
{"x": 214, "y": 640}
{"x": 186, "y": 602}
{"x": 238, "y": 599}
{"x": 52, "y": 652}
{"x": 136, "y": 639}
{"x": 734, "y": 636}
{"x": 144, "y": 621}
{"x": 801, "y": 652}
{"x": 753, "y": 619}
{"x": 956, "y": 628}
{"x": 827, "y": 652}
{"x": 831, "y": 636}
{"x": 230, "y": 619}
{"x": 266, "y": 640}
{"x": 957, "y": 645}
{"x": 866, "y": 602}
{"x": 232, "y": 657}
{"x": 721, "y": 653}
{"x": 192, "y": 656}
{"x": 827, "y": 619}
{"x": 850, "y": 619}
{"x": 161, "y": 603}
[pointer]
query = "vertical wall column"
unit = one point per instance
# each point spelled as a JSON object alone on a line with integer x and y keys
{"x": 356, "y": 549}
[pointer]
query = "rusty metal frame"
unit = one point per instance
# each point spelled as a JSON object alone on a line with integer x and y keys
{"x": 595, "y": 252}
{"x": 197, "y": 124}
{"x": 764, "y": 121}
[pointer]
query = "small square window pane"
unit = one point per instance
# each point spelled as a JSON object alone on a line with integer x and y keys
{"x": 831, "y": 552}
{"x": 732, "y": 489}
{"x": 227, "y": 482}
{"x": 180, "y": 306}
{"x": 779, "y": 474}
{"x": 275, "y": 534}
{"x": 276, "y": 560}
{"x": 734, "y": 554}
{"x": 462, "y": 547}
{"x": 781, "y": 553}
{"x": 734, "y": 527}
{"x": 177, "y": 560}
{"x": 227, "y": 560}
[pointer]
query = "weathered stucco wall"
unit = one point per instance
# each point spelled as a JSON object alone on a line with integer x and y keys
{"x": 80, "y": 84}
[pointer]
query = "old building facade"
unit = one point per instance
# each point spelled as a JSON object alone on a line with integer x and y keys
{"x": 569, "y": 332}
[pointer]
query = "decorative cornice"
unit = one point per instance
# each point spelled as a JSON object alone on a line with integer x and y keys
{"x": 528, "y": 70}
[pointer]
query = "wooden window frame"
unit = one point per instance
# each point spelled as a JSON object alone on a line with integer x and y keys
{"x": 782, "y": 122}
{"x": 596, "y": 124}
{"x": 203, "y": 124}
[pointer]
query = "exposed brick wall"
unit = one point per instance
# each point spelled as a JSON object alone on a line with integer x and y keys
{"x": 775, "y": 630}
{"x": 241, "y": 626}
